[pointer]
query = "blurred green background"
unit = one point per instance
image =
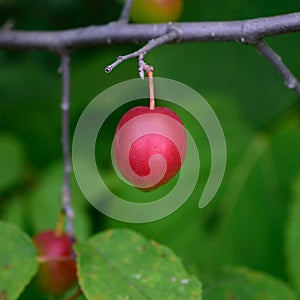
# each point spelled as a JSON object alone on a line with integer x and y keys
{"x": 253, "y": 219}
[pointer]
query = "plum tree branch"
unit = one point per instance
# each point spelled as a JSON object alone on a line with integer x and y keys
{"x": 289, "y": 79}
{"x": 166, "y": 38}
{"x": 252, "y": 31}
{"x": 125, "y": 13}
{"x": 245, "y": 31}
{"x": 67, "y": 207}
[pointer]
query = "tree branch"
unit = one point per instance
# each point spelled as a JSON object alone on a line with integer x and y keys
{"x": 289, "y": 79}
{"x": 246, "y": 31}
{"x": 65, "y": 139}
{"x": 166, "y": 38}
{"x": 125, "y": 13}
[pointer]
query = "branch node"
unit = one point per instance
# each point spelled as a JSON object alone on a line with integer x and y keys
{"x": 65, "y": 106}
{"x": 178, "y": 30}
{"x": 143, "y": 67}
{"x": 171, "y": 35}
{"x": 291, "y": 83}
{"x": 108, "y": 69}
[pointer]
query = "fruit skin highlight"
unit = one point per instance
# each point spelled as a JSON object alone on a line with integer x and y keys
{"x": 156, "y": 11}
{"x": 57, "y": 271}
{"x": 149, "y": 146}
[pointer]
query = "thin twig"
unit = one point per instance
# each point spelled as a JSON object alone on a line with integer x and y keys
{"x": 289, "y": 79}
{"x": 65, "y": 108}
{"x": 164, "y": 39}
{"x": 8, "y": 24}
{"x": 125, "y": 13}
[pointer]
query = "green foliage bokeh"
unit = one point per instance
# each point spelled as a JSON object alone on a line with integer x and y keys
{"x": 252, "y": 221}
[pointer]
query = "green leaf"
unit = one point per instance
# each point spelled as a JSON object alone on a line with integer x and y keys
{"x": 121, "y": 264}
{"x": 11, "y": 161}
{"x": 293, "y": 238}
{"x": 245, "y": 284}
{"x": 17, "y": 261}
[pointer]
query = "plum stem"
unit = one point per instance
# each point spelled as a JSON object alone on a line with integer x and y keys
{"x": 60, "y": 224}
{"x": 151, "y": 88}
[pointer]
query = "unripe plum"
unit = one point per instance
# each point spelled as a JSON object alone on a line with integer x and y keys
{"x": 149, "y": 146}
{"x": 57, "y": 271}
{"x": 156, "y": 11}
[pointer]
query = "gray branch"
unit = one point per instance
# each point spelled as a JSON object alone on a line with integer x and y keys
{"x": 125, "y": 13}
{"x": 166, "y": 38}
{"x": 250, "y": 32}
{"x": 65, "y": 139}
{"x": 246, "y": 31}
{"x": 289, "y": 79}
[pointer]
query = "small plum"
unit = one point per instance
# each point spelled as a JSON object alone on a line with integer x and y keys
{"x": 149, "y": 146}
{"x": 57, "y": 271}
{"x": 156, "y": 11}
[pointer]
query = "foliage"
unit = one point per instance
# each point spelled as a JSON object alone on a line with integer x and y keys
{"x": 138, "y": 269}
{"x": 252, "y": 222}
{"x": 244, "y": 284}
{"x": 17, "y": 261}
{"x": 293, "y": 237}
